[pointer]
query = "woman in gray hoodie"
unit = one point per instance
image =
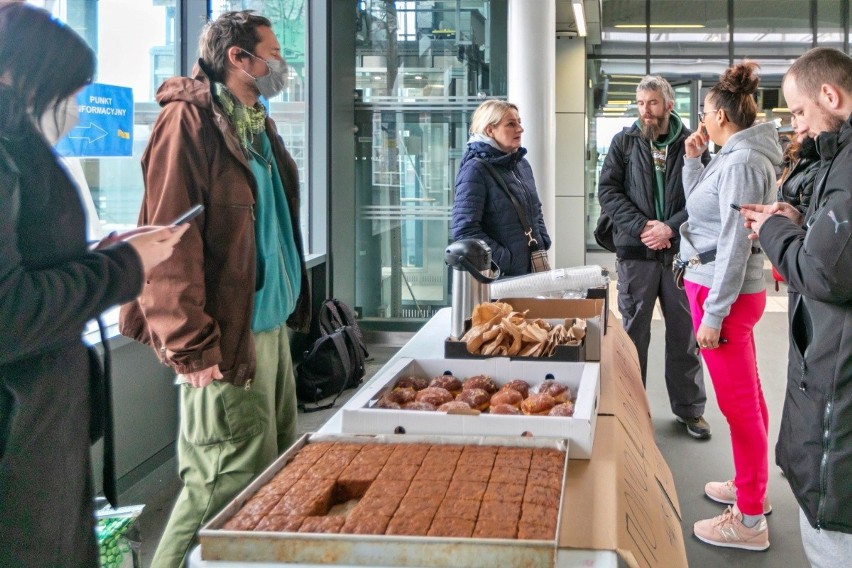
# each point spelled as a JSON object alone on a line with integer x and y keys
{"x": 726, "y": 291}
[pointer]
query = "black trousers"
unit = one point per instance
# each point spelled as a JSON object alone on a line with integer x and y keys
{"x": 640, "y": 284}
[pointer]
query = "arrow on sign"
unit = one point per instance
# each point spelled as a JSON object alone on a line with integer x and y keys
{"x": 98, "y": 133}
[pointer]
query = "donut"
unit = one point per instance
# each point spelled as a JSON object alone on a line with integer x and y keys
{"x": 504, "y": 409}
{"x": 401, "y": 395}
{"x": 558, "y": 391}
{"x": 564, "y": 409}
{"x": 454, "y": 405}
{"x": 506, "y": 396}
{"x": 537, "y": 404}
{"x": 385, "y": 402}
{"x": 419, "y": 405}
{"x": 483, "y": 382}
{"x": 519, "y": 385}
{"x": 416, "y": 383}
{"x": 435, "y": 396}
{"x": 477, "y": 398}
{"x": 447, "y": 382}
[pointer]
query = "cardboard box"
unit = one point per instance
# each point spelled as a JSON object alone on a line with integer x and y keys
{"x": 593, "y": 310}
{"x": 624, "y": 497}
{"x": 359, "y": 417}
{"x": 617, "y": 501}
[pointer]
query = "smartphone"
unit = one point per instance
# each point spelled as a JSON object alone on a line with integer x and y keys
{"x": 735, "y": 207}
{"x": 189, "y": 215}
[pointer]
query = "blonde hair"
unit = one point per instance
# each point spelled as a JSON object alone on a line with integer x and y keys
{"x": 489, "y": 113}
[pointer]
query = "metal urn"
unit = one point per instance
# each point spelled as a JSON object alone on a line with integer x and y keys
{"x": 473, "y": 273}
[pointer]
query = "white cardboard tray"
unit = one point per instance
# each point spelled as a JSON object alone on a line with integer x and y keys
{"x": 359, "y": 416}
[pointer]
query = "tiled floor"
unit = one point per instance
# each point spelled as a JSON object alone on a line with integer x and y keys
{"x": 692, "y": 462}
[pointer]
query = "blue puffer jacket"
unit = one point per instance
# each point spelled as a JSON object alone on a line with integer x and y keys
{"x": 482, "y": 210}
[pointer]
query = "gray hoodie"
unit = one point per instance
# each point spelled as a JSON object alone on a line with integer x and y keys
{"x": 742, "y": 172}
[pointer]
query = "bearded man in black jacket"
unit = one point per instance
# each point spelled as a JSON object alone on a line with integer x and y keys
{"x": 813, "y": 252}
{"x": 641, "y": 189}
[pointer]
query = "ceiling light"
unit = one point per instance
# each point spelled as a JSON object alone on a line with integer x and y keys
{"x": 580, "y": 17}
{"x": 658, "y": 26}
{"x": 617, "y": 103}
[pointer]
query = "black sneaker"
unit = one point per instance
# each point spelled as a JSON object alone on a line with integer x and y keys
{"x": 696, "y": 427}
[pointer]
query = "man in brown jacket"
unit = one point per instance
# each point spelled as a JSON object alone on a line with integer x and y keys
{"x": 218, "y": 311}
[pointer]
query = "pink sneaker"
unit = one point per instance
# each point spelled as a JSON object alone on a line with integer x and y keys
{"x": 726, "y": 492}
{"x": 729, "y": 531}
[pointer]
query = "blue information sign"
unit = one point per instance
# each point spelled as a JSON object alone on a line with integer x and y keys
{"x": 106, "y": 123}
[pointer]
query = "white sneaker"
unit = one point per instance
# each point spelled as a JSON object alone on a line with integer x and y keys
{"x": 726, "y": 492}
{"x": 729, "y": 531}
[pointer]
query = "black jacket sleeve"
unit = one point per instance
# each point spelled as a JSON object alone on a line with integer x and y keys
{"x": 613, "y": 194}
{"x": 817, "y": 261}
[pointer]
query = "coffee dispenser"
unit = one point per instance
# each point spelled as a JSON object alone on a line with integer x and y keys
{"x": 473, "y": 273}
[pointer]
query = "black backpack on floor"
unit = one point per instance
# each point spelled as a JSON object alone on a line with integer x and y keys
{"x": 335, "y": 360}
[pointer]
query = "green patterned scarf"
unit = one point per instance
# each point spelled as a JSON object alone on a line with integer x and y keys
{"x": 247, "y": 121}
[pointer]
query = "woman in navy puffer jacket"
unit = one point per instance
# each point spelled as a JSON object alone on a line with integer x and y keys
{"x": 481, "y": 209}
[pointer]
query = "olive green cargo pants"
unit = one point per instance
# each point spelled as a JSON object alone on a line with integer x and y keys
{"x": 227, "y": 436}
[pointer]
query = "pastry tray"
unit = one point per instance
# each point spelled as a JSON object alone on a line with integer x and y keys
{"x": 360, "y": 416}
{"x": 218, "y": 544}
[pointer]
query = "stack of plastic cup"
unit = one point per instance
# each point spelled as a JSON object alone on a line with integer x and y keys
{"x": 561, "y": 282}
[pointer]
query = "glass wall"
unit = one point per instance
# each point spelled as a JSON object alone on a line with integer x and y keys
{"x": 137, "y": 45}
{"x": 145, "y": 32}
{"x": 421, "y": 69}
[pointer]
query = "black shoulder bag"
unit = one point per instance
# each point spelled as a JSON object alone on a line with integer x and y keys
{"x": 605, "y": 229}
{"x": 538, "y": 256}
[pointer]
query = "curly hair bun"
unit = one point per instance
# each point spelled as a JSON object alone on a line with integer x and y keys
{"x": 741, "y": 78}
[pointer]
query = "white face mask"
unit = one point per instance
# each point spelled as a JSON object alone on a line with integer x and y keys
{"x": 273, "y": 82}
{"x": 59, "y": 119}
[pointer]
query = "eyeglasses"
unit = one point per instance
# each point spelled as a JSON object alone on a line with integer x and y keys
{"x": 701, "y": 115}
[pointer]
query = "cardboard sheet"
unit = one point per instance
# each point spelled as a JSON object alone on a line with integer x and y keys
{"x": 630, "y": 511}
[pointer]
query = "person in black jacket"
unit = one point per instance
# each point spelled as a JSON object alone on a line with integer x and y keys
{"x": 641, "y": 190}
{"x": 481, "y": 208}
{"x": 797, "y": 180}
{"x": 50, "y": 285}
{"x": 814, "y": 254}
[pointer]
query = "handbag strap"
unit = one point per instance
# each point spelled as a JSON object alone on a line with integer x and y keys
{"x": 533, "y": 243}
{"x": 110, "y": 486}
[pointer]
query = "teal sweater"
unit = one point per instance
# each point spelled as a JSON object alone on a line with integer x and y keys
{"x": 279, "y": 276}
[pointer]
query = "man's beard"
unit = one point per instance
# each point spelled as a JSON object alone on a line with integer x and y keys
{"x": 833, "y": 123}
{"x": 655, "y": 129}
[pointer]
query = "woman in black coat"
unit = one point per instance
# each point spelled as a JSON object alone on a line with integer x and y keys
{"x": 481, "y": 208}
{"x": 801, "y": 162}
{"x": 50, "y": 285}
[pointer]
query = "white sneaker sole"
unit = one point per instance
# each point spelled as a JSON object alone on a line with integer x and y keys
{"x": 743, "y": 546}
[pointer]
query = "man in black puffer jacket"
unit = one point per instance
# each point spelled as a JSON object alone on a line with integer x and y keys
{"x": 814, "y": 254}
{"x": 641, "y": 190}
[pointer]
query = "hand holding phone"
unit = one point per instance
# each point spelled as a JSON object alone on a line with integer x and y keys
{"x": 188, "y": 215}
